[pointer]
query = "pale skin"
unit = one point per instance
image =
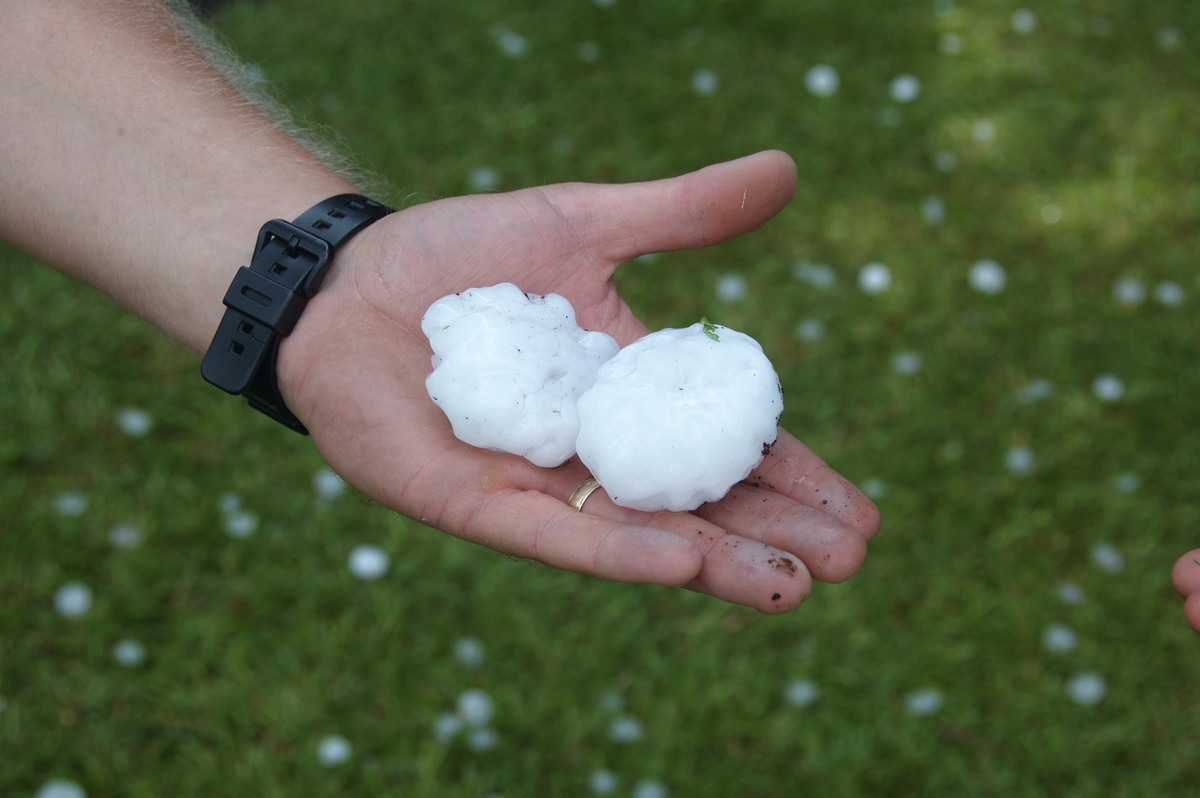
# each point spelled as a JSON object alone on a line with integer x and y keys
{"x": 130, "y": 164}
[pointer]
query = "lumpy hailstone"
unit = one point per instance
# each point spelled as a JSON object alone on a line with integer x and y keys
{"x": 509, "y": 368}
{"x": 679, "y": 416}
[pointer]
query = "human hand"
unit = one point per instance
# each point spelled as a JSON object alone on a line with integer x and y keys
{"x": 1186, "y": 577}
{"x": 354, "y": 372}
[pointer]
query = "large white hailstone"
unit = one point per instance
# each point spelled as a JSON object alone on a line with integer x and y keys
{"x": 679, "y": 416}
{"x": 509, "y": 368}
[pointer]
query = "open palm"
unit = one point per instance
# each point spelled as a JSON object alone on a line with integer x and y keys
{"x": 355, "y": 367}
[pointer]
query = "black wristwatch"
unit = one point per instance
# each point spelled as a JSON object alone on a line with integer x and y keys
{"x": 266, "y": 298}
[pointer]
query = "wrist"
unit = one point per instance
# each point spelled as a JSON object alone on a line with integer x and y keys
{"x": 266, "y": 299}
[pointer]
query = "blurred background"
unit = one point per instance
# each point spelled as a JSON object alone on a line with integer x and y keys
{"x": 982, "y": 304}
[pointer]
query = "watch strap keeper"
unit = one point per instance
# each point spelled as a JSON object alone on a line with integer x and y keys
{"x": 266, "y": 298}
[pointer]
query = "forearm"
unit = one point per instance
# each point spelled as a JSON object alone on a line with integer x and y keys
{"x": 129, "y": 162}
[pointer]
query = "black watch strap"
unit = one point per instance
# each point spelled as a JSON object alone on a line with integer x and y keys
{"x": 266, "y": 298}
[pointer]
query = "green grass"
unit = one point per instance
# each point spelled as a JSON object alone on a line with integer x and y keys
{"x": 258, "y": 648}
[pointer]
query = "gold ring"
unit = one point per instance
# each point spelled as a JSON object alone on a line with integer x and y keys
{"x": 580, "y": 494}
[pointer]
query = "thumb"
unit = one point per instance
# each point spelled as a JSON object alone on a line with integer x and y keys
{"x": 705, "y": 207}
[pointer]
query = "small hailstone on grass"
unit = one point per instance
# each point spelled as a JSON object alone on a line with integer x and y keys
{"x": 71, "y": 504}
{"x": 602, "y": 782}
{"x": 1169, "y": 38}
{"x": 874, "y": 278}
{"x": 588, "y": 52}
{"x": 810, "y": 330}
{"x": 950, "y": 44}
{"x": 933, "y": 209}
{"x": 678, "y": 417}
{"x": 476, "y": 708}
{"x": 334, "y": 750}
{"x": 822, "y": 80}
{"x": 705, "y": 82}
{"x": 732, "y": 287}
{"x": 229, "y": 502}
{"x": 818, "y": 275}
{"x": 509, "y": 368}
{"x": 612, "y": 701}
{"x": 945, "y": 161}
{"x": 469, "y": 651}
{"x": 625, "y": 729}
{"x": 124, "y": 536}
{"x": 906, "y": 363}
{"x": 1108, "y": 388}
{"x": 368, "y": 562}
{"x": 510, "y": 42}
{"x": 327, "y": 484}
{"x": 924, "y": 702}
{"x": 134, "y": 422}
{"x": 447, "y": 726}
{"x": 1020, "y": 460}
{"x": 1087, "y": 689}
{"x": 1127, "y": 482}
{"x": 984, "y": 130}
{"x": 240, "y": 524}
{"x": 484, "y": 178}
{"x": 60, "y": 788}
{"x": 1169, "y": 294}
{"x": 1051, "y": 214}
{"x": 802, "y": 693}
{"x": 874, "y": 488}
{"x": 1035, "y": 391}
{"x": 650, "y": 789}
{"x": 1108, "y": 558}
{"x": 482, "y": 740}
{"x": 905, "y": 88}
{"x": 987, "y": 277}
{"x": 1024, "y": 21}
{"x": 1129, "y": 291}
{"x": 129, "y": 653}
{"x": 1059, "y": 638}
{"x": 73, "y": 600}
{"x": 1071, "y": 594}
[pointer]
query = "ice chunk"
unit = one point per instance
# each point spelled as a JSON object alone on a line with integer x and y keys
{"x": 509, "y": 368}
{"x": 679, "y": 416}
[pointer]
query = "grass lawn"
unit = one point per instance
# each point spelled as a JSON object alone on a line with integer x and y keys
{"x": 1030, "y": 428}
